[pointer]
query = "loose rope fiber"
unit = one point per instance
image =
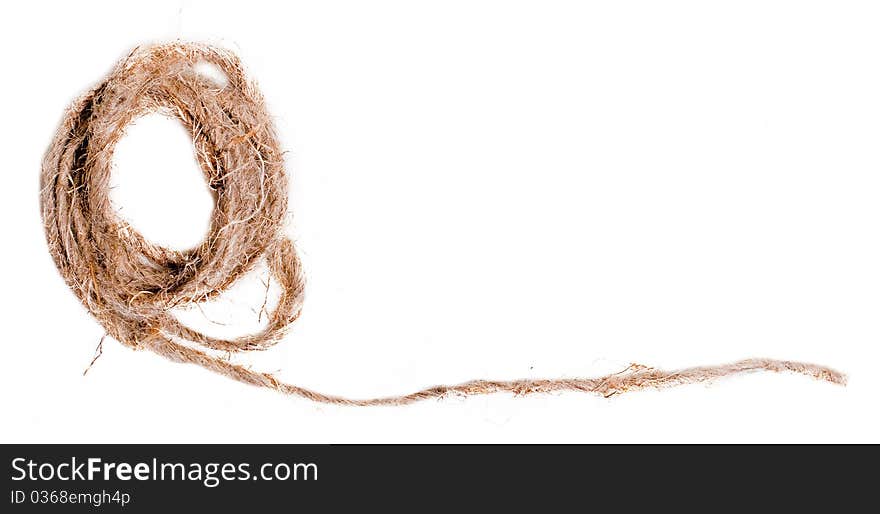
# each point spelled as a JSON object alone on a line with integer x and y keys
{"x": 130, "y": 285}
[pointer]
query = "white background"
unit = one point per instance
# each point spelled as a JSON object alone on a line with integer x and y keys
{"x": 484, "y": 190}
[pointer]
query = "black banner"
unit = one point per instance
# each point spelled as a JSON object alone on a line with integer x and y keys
{"x": 147, "y": 478}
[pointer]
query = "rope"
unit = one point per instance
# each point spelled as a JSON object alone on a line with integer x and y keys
{"x": 130, "y": 285}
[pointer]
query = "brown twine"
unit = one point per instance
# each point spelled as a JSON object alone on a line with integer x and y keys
{"x": 130, "y": 285}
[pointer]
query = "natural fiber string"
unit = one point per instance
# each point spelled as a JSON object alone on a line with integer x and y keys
{"x": 130, "y": 285}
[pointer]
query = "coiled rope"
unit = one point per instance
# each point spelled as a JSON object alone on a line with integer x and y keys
{"x": 130, "y": 285}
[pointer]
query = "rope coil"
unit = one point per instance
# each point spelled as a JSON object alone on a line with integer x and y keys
{"x": 130, "y": 285}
